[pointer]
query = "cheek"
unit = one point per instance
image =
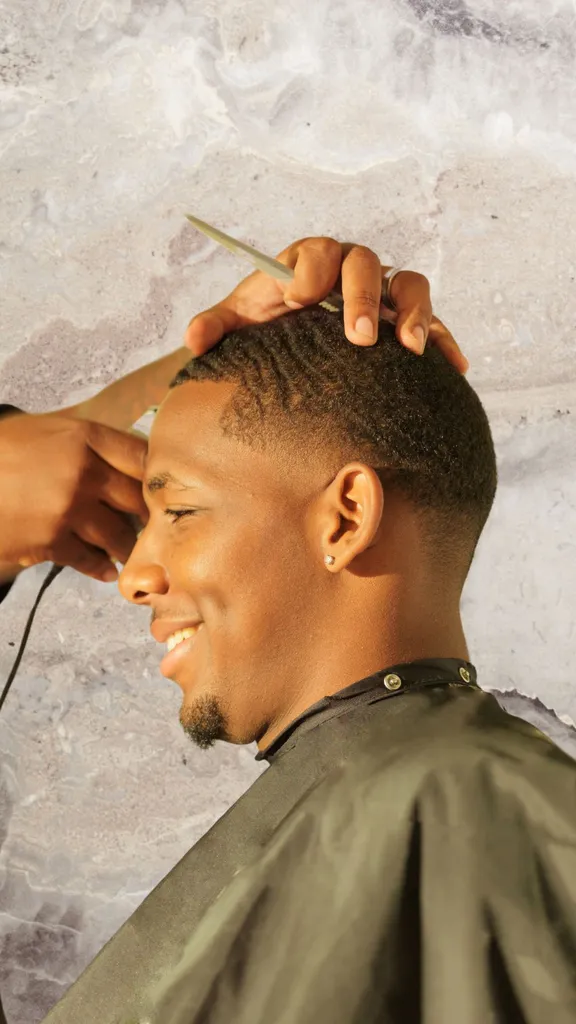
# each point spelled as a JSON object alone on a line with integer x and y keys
{"x": 251, "y": 574}
{"x": 210, "y": 562}
{"x": 264, "y": 580}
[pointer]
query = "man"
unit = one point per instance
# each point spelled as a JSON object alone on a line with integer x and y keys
{"x": 84, "y": 470}
{"x": 410, "y": 853}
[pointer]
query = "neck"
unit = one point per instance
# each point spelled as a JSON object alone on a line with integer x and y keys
{"x": 356, "y": 653}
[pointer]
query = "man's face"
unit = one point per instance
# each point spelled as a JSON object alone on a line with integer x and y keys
{"x": 225, "y": 546}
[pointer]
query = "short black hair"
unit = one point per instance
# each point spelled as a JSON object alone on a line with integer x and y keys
{"x": 415, "y": 419}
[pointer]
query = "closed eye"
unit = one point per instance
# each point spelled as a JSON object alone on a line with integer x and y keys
{"x": 179, "y": 513}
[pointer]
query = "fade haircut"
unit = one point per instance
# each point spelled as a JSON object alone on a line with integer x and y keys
{"x": 302, "y": 386}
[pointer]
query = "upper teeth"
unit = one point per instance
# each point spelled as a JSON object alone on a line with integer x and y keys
{"x": 182, "y": 634}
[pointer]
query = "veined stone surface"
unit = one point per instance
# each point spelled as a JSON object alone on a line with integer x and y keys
{"x": 441, "y": 134}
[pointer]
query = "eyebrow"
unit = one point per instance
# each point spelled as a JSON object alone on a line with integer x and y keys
{"x": 158, "y": 483}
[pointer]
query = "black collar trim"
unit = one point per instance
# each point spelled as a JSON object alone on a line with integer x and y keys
{"x": 413, "y": 675}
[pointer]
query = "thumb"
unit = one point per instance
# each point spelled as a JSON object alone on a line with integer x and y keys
{"x": 125, "y": 452}
{"x": 206, "y": 329}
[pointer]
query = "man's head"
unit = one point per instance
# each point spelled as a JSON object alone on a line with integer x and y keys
{"x": 283, "y": 444}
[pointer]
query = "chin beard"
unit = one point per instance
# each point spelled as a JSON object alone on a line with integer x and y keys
{"x": 203, "y": 722}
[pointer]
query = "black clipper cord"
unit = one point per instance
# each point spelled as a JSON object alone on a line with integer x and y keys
{"x": 54, "y": 571}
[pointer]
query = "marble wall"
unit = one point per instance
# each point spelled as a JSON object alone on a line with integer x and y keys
{"x": 442, "y": 133}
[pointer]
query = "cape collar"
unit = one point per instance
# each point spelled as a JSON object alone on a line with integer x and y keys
{"x": 388, "y": 682}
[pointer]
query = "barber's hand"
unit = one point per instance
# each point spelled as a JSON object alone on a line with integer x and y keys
{"x": 319, "y": 264}
{"x": 66, "y": 488}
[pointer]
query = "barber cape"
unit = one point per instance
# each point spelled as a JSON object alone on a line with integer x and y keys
{"x": 408, "y": 856}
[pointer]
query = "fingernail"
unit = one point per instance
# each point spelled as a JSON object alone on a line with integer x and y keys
{"x": 109, "y": 575}
{"x": 365, "y": 326}
{"x": 418, "y": 335}
{"x": 293, "y": 305}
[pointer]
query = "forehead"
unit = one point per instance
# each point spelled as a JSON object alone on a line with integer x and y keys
{"x": 186, "y": 442}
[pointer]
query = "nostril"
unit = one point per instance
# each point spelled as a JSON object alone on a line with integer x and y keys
{"x": 138, "y": 582}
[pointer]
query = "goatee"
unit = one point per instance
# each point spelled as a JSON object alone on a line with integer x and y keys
{"x": 203, "y": 722}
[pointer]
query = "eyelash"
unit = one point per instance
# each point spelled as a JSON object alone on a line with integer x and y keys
{"x": 179, "y": 513}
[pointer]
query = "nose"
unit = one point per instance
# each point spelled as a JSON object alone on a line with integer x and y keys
{"x": 141, "y": 578}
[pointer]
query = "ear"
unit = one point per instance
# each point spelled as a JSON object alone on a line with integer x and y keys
{"x": 353, "y": 513}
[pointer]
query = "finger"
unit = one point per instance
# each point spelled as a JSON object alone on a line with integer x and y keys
{"x": 410, "y": 294}
{"x": 208, "y": 327}
{"x": 99, "y": 527}
{"x": 125, "y": 452}
{"x": 316, "y": 263}
{"x": 362, "y": 293}
{"x": 441, "y": 337}
{"x": 106, "y": 484}
{"x": 71, "y": 551}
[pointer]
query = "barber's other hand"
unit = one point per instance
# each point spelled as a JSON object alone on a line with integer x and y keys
{"x": 66, "y": 486}
{"x": 319, "y": 264}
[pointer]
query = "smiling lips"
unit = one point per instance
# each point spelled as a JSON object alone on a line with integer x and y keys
{"x": 163, "y": 631}
{"x": 179, "y": 638}
{"x": 181, "y": 634}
